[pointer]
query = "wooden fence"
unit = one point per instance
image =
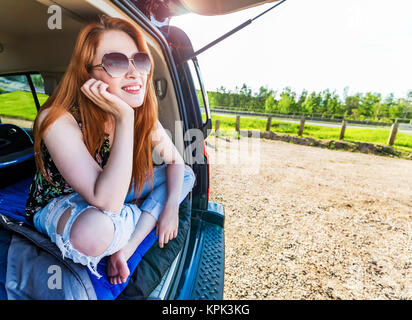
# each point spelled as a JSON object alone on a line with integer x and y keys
{"x": 391, "y": 138}
{"x": 311, "y": 116}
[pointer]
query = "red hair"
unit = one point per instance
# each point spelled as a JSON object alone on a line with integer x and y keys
{"x": 93, "y": 118}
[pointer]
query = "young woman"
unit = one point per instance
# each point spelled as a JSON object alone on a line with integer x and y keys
{"x": 96, "y": 192}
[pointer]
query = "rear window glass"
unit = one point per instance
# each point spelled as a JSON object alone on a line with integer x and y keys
{"x": 200, "y": 89}
{"x": 17, "y": 105}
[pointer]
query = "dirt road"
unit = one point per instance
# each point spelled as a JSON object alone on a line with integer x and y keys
{"x": 310, "y": 223}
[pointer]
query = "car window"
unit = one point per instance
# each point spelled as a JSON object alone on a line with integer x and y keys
{"x": 17, "y": 103}
{"x": 200, "y": 88}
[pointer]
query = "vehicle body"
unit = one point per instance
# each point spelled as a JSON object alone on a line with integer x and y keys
{"x": 33, "y": 57}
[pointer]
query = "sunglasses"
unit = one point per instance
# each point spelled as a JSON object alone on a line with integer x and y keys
{"x": 116, "y": 64}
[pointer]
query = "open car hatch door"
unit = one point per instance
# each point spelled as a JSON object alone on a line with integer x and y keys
{"x": 217, "y": 7}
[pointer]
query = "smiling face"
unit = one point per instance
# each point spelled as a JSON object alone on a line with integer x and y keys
{"x": 130, "y": 87}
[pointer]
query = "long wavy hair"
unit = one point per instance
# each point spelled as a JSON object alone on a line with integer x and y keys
{"x": 93, "y": 118}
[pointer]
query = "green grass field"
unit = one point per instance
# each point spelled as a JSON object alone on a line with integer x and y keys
{"x": 228, "y": 124}
{"x": 20, "y": 104}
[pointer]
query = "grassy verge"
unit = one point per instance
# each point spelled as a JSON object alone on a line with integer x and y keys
{"x": 228, "y": 124}
{"x": 20, "y": 104}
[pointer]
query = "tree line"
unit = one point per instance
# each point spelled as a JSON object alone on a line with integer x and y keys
{"x": 326, "y": 104}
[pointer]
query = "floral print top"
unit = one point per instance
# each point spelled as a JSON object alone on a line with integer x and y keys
{"x": 42, "y": 192}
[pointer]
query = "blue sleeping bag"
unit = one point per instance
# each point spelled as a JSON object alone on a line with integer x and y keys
{"x": 12, "y": 204}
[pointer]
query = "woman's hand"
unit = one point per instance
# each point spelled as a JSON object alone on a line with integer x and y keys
{"x": 96, "y": 91}
{"x": 168, "y": 223}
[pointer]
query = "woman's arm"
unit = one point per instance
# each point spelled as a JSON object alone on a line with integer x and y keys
{"x": 112, "y": 184}
{"x": 169, "y": 219}
{"x": 105, "y": 189}
{"x": 176, "y": 166}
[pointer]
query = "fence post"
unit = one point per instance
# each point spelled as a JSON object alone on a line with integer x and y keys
{"x": 342, "y": 131}
{"x": 301, "y": 126}
{"x": 217, "y": 127}
{"x": 268, "y": 124}
{"x": 237, "y": 123}
{"x": 410, "y": 121}
{"x": 394, "y": 130}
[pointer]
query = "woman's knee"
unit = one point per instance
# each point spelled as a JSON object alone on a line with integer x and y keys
{"x": 92, "y": 232}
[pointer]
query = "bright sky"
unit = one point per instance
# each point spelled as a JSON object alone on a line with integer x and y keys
{"x": 312, "y": 45}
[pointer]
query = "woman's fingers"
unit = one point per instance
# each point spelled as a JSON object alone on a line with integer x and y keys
{"x": 95, "y": 90}
{"x": 90, "y": 89}
{"x": 85, "y": 88}
{"x": 103, "y": 90}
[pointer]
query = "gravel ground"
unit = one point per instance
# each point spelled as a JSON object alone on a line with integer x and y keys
{"x": 310, "y": 223}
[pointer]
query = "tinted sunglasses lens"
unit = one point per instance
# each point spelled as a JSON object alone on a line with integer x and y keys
{"x": 142, "y": 62}
{"x": 116, "y": 64}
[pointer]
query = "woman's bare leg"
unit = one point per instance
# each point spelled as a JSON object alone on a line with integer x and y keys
{"x": 117, "y": 269}
{"x": 91, "y": 232}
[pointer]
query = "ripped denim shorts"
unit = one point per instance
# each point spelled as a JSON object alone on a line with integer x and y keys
{"x": 46, "y": 220}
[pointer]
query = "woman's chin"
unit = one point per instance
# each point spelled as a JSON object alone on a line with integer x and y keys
{"x": 135, "y": 103}
{"x": 133, "y": 100}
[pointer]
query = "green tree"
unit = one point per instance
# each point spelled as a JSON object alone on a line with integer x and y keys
{"x": 368, "y": 103}
{"x": 401, "y": 108}
{"x": 220, "y": 97}
{"x": 383, "y": 110}
{"x": 261, "y": 97}
{"x": 335, "y": 106}
{"x": 323, "y": 106}
{"x": 245, "y": 97}
{"x": 408, "y": 110}
{"x": 287, "y": 102}
{"x": 312, "y": 103}
{"x": 394, "y": 111}
{"x": 270, "y": 105}
{"x": 300, "y": 103}
{"x": 352, "y": 104}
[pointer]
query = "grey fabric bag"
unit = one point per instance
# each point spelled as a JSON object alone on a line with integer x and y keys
{"x": 36, "y": 269}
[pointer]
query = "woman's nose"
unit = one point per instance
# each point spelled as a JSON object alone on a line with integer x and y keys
{"x": 133, "y": 71}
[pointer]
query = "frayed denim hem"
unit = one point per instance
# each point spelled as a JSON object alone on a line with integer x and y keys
{"x": 67, "y": 248}
{"x": 124, "y": 225}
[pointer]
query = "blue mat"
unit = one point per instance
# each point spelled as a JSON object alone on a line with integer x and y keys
{"x": 12, "y": 204}
{"x": 13, "y": 200}
{"x": 103, "y": 288}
